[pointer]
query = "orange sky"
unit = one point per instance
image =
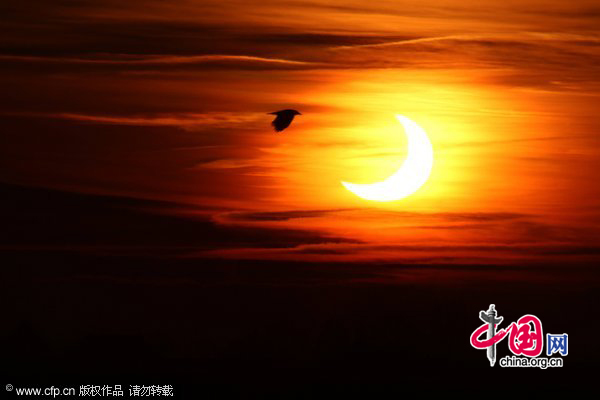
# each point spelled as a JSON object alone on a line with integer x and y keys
{"x": 168, "y": 100}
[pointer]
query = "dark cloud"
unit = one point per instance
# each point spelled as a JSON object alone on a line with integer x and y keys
{"x": 138, "y": 62}
{"x": 404, "y": 215}
{"x": 188, "y": 121}
{"x": 527, "y": 51}
{"x": 476, "y": 216}
{"x": 94, "y": 36}
{"x": 317, "y": 40}
{"x": 277, "y": 215}
{"x": 528, "y": 59}
{"x": 45, "y": 219}
{"x": 497, "y": 254}
{"x": 492, "y": 237}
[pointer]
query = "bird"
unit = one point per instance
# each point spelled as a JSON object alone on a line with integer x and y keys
{"x": 284, "y": 119}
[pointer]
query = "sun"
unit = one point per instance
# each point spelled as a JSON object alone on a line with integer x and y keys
{"x": 413, "y": 173}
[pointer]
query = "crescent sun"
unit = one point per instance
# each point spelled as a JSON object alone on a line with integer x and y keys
{"x": 413, "y": 173}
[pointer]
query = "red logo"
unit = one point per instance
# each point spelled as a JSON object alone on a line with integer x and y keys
{"x": 526, "y": 336}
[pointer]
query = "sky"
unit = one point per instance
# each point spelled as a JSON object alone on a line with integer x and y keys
{"x": 168, "y": 101}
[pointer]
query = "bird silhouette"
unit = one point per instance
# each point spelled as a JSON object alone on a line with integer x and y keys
{"x": 284, "y": 119}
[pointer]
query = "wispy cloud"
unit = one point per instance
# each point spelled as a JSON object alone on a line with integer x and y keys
{"x": 525, "y": 52}
{"x": 181, "y": 120}
{"x": 501, "y": 254}
{"x": 135, "y": 61}
{"x": 249, "y": 216}
{"x": 529, "y": 51}
{"x": 225, "y": 164}
{"x": 498, "y": 37}
{"x": 405, "y": 42}
{"x": 416, "y": 237}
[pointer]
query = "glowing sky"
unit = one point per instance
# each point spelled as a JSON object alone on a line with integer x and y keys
{"x": 168, "y": 101}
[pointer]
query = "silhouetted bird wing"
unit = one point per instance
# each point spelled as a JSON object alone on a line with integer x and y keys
{"x": 282, "y": 121}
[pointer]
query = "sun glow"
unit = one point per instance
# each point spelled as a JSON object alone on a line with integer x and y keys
{"x": 350, "y": 135}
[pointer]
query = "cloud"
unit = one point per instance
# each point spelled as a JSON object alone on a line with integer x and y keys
{"x": 275, "y": 215}
{"x": 181, "y": 120}
{"x": 518, "y": 59}
{"x": 560, "y": 61}
{"x": 416, "y": 237}
{"x": 325, "y": 39}
{"x": 225, "y": 164}
{"x": 91, "y": 223}
{"x": 406, "y": 42}
{"x": 491, "y": 254}
{"x": 135, "y": 61}
{"x": 403, "y": 215}
{"x": 489, "y": 39}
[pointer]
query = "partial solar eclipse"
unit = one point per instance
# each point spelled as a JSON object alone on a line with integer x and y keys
{"x": 413, "y": 173}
